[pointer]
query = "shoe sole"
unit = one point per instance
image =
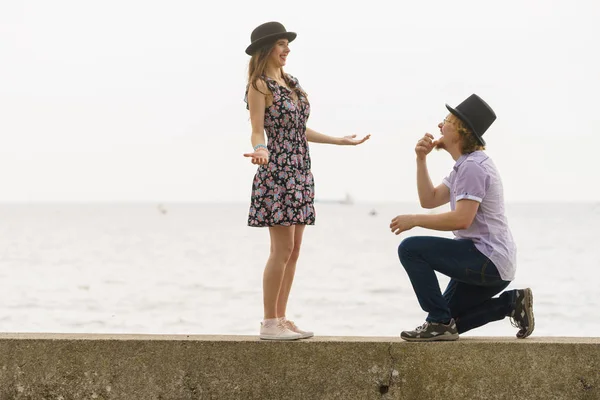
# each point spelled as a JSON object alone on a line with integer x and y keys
{"x": 268, "y": 337}
{"x": 529, "y": 312}
{"x": 307, "y": 336}
{"x": 446, "y": 338}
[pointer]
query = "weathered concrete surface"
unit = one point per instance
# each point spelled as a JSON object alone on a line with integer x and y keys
{"x": 131, "y": 367}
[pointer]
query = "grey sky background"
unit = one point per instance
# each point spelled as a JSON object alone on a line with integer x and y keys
{"x": 136, "y": 100}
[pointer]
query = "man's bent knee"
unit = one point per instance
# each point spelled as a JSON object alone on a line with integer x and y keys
{"x": 409, "y": 247}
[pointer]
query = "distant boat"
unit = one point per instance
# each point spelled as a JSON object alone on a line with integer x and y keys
{"x": 348, "y": 200}
{"x": 161, "y": 209}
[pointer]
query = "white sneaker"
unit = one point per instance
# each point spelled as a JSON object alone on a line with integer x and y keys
{"x": 292, "y": 327}
{"x": 277, "y": 331}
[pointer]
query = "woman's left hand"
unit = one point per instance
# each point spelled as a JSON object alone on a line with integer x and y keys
{"x": 351, "y": 141}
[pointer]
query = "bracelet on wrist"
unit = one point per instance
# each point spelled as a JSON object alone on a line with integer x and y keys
{"x": 261, "y": 146}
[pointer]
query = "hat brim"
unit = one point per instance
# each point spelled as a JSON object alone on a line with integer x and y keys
{"x": 257, "y": 44}
{"x": 464, "y": 119}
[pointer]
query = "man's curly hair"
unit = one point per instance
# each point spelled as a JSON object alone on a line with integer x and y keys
{"x": 470, "y": 143}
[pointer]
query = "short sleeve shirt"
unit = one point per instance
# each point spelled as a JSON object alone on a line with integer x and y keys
{"x": 475, "y": 177}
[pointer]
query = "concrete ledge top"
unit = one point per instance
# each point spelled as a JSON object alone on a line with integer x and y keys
{"x": 249, "y": 338}
{"x": 176, "y": 367}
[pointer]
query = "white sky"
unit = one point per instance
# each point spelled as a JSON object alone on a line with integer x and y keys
{"x": 134, "y": 100}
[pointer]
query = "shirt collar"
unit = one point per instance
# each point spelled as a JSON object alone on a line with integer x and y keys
{"x": 461, "y": 160}
{"x": 477, "y": 154}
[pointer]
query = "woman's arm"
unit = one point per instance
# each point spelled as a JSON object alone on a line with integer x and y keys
{"x": 256, "y": 104}
{"x": 316, "y": 137}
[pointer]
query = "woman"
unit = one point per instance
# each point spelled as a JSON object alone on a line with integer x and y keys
{"x": 283, "y": 187}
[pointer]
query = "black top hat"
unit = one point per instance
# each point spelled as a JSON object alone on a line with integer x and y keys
{"x": 267, "y": 33}
{"x": 476, "y": 113}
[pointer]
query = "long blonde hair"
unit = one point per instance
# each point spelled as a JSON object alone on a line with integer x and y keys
{"x": 257, "y": 68}
{"x": 258, "y": 65}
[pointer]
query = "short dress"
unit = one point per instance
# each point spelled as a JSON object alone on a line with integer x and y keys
{"x": 283, "y": 190}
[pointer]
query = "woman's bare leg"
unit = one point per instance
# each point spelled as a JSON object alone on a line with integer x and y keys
{"x": 290, "y": 270}
{"x": 282, "y": 245}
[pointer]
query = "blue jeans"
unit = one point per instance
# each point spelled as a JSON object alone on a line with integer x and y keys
{"x": 474, "y": 281}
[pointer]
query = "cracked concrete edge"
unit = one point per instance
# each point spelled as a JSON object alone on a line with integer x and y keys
{"x": 498, "y": 370}
{"x": 324, "y": 369}
{"x": 392, "y": 375}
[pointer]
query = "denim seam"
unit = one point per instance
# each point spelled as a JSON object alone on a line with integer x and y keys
{"x": 485, "y": 264}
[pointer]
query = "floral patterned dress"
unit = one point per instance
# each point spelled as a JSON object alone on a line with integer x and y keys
{"x": 283, "y": 189}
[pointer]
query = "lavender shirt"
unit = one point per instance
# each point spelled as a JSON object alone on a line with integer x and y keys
{"x": 475, "y": 177}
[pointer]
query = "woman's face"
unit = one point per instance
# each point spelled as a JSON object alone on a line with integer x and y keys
{"x": 279, "y": 53}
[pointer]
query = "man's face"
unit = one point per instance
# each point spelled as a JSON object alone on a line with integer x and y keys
{"x": 449, "y": 132}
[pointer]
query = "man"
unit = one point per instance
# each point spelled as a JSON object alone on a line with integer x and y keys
{"x": 481, "y": 259}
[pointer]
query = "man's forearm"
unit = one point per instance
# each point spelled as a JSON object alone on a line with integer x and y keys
{"x": 449, "y": 221}
{"x": 424, "y": 185}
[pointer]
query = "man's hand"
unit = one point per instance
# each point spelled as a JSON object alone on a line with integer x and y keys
{"x": 402, "y": 223}
{"x": 424, "y": 146}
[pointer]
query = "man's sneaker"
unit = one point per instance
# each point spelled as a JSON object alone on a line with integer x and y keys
{"x": 277, "y": 331}
{"x": 432, "y": 331}
{"x": 292, "y": 327}
{"x": 522, "y": 316}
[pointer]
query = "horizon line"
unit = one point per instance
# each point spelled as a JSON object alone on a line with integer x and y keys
{"x": 322, "y": 201}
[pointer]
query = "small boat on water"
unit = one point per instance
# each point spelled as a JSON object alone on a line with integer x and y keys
{"x": 348, "y": 200}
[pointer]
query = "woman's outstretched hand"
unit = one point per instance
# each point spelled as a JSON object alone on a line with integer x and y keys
{"x": 351, "y": 141}
{"x": 259, "y": 157}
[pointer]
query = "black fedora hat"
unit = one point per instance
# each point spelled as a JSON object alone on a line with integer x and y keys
{"x": 267, "y": 33}
{"x": 476, "y": 113}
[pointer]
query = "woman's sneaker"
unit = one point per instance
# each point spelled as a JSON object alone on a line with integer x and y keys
{"x": 522, "y": 316}
{"x": 277, "y": 331}
{"x": 292, "y": 327}
{"x": 432, "y": 331}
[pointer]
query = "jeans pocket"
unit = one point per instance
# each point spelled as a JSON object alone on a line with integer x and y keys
{"x": 486, "y": 274}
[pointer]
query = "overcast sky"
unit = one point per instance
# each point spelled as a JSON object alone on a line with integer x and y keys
{"x": 134, "y": 100}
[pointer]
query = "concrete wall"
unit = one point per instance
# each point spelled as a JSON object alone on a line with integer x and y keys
{"x": 54, "y": 366}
